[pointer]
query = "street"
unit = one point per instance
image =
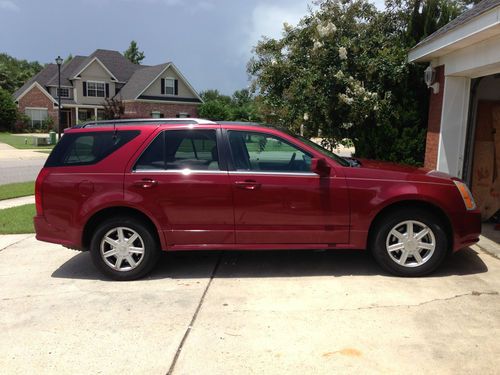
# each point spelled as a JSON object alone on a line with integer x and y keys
{"x": 19, "y": 165}
{"x": 246, "y": 312}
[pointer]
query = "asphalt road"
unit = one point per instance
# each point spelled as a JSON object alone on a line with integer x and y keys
{"x": 290, "y": 312}
{"x": 13, "y": 170}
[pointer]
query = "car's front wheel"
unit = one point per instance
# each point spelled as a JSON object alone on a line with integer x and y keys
{"x": 409, "y": 242}
{"x": 124, "y": 248}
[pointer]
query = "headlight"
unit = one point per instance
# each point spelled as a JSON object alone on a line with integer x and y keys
{"x": 466, "y": 195}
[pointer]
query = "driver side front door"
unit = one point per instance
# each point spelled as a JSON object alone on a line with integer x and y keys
{"x": 278, "y": 200}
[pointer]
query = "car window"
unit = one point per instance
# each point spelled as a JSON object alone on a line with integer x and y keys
{"x": 88, "y": 147}
{"x": 181, "y": 149}
{"x": 254, "y": 151}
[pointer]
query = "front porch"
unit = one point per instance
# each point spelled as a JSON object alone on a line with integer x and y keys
{"x": 73, "y": 115}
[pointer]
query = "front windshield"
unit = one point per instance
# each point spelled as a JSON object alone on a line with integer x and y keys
{"x": 325, "y": 151}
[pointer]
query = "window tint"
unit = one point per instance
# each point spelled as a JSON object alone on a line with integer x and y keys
{"x": 262, "y": 152}
{"x": 87, "y": 148}
{"x": 153, "y": 156}
{"x": 181, "y": 149}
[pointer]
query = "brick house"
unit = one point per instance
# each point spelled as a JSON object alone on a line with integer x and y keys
{"x": 463, "y": 136}
{"x": 86, "y": 81}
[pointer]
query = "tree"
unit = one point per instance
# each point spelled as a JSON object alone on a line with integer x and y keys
{"x": 133, "y": 53}
{"x": 69, "y": 58}
{"x": 8, "y": 110}
{"x": 14, "y": 73}
{"x": 241, "y": 106}
{"x": 342, "y": 71}
{"x": 113, "y": 109}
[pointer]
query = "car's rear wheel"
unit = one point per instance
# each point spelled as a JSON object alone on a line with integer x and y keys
{"x": 409, "y": 242}
{"x": 124, "y": 248}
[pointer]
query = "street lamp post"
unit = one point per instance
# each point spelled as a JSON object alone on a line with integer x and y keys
{"x": 59, "y": 62}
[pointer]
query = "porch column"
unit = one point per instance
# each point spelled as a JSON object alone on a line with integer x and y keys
{"x": 453, "y": 125}
{"x": 76, "y": 115}
{"x": 95, "y": 113}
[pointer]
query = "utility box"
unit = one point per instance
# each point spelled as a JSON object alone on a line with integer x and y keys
{"x": 52, "y": 137}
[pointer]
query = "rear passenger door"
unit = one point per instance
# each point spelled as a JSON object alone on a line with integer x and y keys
{"x": 180, "y": 179}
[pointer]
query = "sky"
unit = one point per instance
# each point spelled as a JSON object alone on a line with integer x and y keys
{"x": 210, "y": 41}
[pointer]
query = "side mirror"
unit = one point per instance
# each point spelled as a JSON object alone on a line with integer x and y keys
{"x": 320, "y": 167}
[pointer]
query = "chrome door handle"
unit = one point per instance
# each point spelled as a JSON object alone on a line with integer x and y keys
{"x": 146, "y": 183}
{"x": 247, "y": 184}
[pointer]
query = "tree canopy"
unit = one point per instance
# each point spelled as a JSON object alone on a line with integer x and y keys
{"x": 14, "y": 72}
{"x": 133, "y": 54}
{"x": 241, "y": 106}
{"x": 342, "y": 72}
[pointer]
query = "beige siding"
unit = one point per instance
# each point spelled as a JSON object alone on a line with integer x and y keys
{"x": 155, "y": 88}
{"x": 94, "y": 72}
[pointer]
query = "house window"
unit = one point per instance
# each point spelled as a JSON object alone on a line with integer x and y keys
{"x": 156, "y": 114}
{"x": 96, "y": 89}
{"x": 64, "y": 91}
{"x": 37, "y": 116}
{"x": 183, "y": 115}
{"x": 169, "y": 86}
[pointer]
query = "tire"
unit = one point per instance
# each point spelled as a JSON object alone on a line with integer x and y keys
{"x": 116, "y": 257}
{"x": 402, "y": 253}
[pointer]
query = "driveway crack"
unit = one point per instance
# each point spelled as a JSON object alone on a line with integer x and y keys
{"x": 193, "y": 320}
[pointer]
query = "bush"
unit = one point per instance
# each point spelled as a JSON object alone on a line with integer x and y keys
{"x": 8, "y": 110}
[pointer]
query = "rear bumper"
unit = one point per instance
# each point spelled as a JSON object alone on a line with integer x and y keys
{"x": 467, "y": 228}
{"x": 49, "y": 233}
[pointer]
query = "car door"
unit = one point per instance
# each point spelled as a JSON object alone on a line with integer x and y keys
{"x": 180, "y": 179}
{"x": 278, "y": 199}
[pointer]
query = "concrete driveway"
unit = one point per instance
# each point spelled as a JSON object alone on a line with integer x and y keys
{"x": 301, "y": 312}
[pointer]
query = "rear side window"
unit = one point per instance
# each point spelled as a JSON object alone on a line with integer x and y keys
{"x": 88, "y": 148}
{"x": 181, "y": 149}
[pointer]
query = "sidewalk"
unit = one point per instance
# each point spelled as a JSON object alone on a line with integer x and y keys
{"x": 8, "y": 152}
{"x": 14, "y": 202}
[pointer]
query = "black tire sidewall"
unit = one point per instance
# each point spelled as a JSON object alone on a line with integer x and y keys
{"x": 151, "y": 252}
{"x": 378, "y": 245}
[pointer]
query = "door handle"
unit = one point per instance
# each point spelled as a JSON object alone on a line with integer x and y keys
{"x": 146, "y": 183}
{"x": 247, "y": 184}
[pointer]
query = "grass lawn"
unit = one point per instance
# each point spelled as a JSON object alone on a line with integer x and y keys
{"x": 18, "y": 141}
{"x": 17, "y": 220}
{"x": 20, "y": 189}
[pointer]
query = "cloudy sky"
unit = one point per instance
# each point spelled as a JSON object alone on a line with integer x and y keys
{"x": 209, "y": 40}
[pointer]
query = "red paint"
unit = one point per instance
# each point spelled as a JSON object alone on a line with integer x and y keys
{"x": 228, "y": 210}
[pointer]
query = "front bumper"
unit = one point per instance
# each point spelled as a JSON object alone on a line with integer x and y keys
{"x": 466, "y": 229}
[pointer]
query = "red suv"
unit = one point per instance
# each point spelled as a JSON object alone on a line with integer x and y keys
{"x": 127, "y": 191}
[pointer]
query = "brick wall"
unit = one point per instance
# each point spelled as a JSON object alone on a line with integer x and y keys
{"x": 144, "y": 109}
{"x": 35, "y": 98}
{"x": 434, "y": 121}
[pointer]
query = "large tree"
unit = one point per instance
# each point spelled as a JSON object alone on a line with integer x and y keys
{"x": 133, "y": 54}
{"x": 343, "y": 72}
{"x": 241, "y": 106}
{"x": 14, "y": 72}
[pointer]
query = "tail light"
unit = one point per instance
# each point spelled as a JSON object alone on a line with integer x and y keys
{"x": 39, "y": 191}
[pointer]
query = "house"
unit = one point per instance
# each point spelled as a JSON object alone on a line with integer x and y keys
{"x": 463, "y": 136}
{"x": 87, "y": 81}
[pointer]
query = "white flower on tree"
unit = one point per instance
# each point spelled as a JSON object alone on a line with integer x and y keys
{"x": 317, "y": 45}
{"x": 306, "y": 116}
{"x": 346, "y": 99}
{"x": 326, "y": 30}
{"x": 342, "y": 53}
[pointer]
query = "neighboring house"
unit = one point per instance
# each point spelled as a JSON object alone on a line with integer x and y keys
{"x": 86, "y": 81}
{"x": 463, "y": 136}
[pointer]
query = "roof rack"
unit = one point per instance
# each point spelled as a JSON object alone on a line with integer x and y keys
{"x": 139, "y": 121}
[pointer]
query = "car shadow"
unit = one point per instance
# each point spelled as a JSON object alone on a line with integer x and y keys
{"x": 258, "y": 264}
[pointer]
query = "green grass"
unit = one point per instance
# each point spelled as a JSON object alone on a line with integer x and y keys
{"x": 18, "y": 141}
{"x": 17, "y": 220}
{"x": 20, "y": 189}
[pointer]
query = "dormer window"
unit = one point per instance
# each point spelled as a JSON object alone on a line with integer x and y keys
{"x": 169, "y": 86}
{"x": 63, "y": 91}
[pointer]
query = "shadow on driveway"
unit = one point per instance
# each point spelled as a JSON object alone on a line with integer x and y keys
{"x": 297, "y": 263}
